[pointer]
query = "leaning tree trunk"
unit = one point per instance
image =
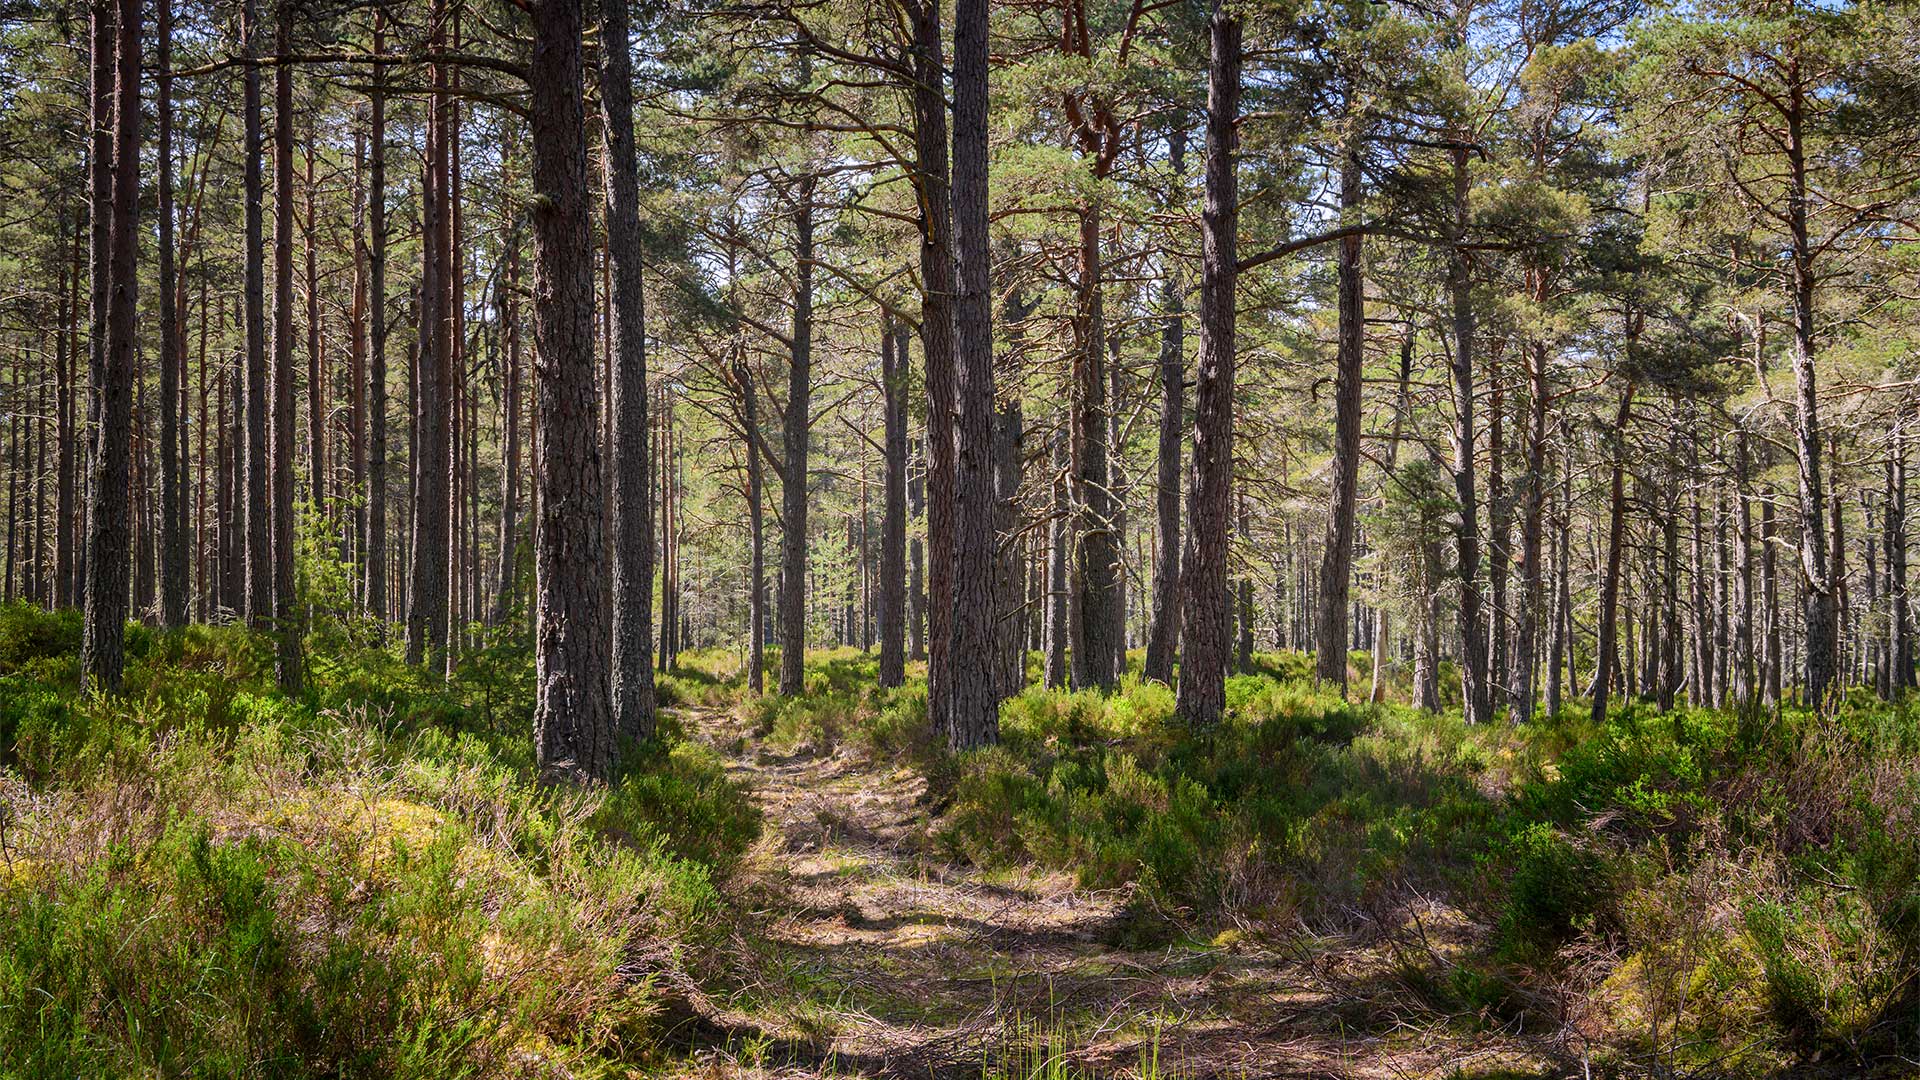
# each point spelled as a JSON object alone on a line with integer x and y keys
{"x": 1336, "y": 555}
{"x": 630, "y": 512}
{"x": 1202, "y": 693}
{"x": 893, "y": 521}
{"x": 103, "y": 638}
{"x": 973, "y": 714}
{"x": 572, "y": 721}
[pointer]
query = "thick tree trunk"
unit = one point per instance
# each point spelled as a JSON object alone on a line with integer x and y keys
{"x": 973, "y": 714}
{"x": 933, "y": 177}
{"x": 1336, "y": 555}
{"x": 1202, "y": 692}
{"x": 893, "y": 521}
{"x": 629, "y": 509}
{"x": 103, "y": 644}
{"x": 427, "y": 590}
{"x": 573, "y": 722}
{"x": 795, "y": 434}
{"x": 286, "y": 609}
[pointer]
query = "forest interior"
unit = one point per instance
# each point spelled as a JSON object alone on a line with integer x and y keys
{"x": 1039, "y": 540}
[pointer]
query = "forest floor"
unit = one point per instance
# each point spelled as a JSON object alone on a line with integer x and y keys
{"x": 866, "y": 951}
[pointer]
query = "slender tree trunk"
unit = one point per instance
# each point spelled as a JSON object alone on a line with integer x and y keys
{"x": 286, "y": 610}
{"x": 630, "y": 520}
{"x": 1605, "y": 651}
{"x": 509, "y": 544}
{"x": 257, "y": 509}
{"x": 1202, "y": 691}
{"x": 573, "y": 723}
{"x": 1402, "y": 406}
{"x": 1098, "y": 547}
{"x": 1163, "y": 630}
{"x": 1008, "y": 629}
{"x": 1336, "y": 565}
{"x": 375, "y": 543}
{"x": 1558, "y": 652}
{"x": 1475, "y": 686}
{"x": 756, "y": 516}
{"x": 893, "y": 527}
{"x": 1058, "y": 585}
{"x": 102, "y": 644}
{"x": 916, "y": 554}
{"x": 173, "y": 540}
{"x": 1526, "y": 642}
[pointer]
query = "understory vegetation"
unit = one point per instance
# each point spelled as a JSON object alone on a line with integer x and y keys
{"x": 203, "y": 877}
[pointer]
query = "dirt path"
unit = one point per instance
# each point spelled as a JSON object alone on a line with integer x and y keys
{"x": 869, "y": 953}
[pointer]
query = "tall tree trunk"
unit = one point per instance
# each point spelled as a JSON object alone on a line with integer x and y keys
{"x": 573, "y": 722}
{"x": 375, "y": 543}
{"x": 1821, "y": 611}
{"x": 1475, "y": 687}
{"x": 916, "y": 553}
{"x": 1202, "y": 692}
{"x": 893, "y": 522}
{"x": 1057, "y": 583}
{"x": 1164, "y": 627}
{"x": 173, "y": 539}
{"x": 1558, "y": 650}
{"x": 1009, "y": 630}
{"x": 1336, "y": 565}
{"x": 1899, "y": 639}
{"x": 257, "y": 509}
{"x": 1526, "y": 642}
{"x": 1098, "y": 547}
{"x": 66, "y": 437}
{"x": 286, "y": 610}
{"x": 931, "y": 173}
{"x": 1402, "y": 407}
{"x": 630, "y": 519}
{"x": 973, "y": 713}
{"x": 795, "y": 437}
{"x": 1605, "y": 651}
{"x": 102, "y": 644}
{"x": 756, "y": 518}
{"x": 509, "y": 541}
{"x": 431, "y": 459}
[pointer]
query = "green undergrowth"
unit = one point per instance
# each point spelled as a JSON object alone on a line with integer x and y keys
{"x": 1740, "y": 891}
{"x": 203, "y": 877}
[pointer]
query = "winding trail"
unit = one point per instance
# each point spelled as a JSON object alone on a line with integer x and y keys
{"x": 869, "y": 953}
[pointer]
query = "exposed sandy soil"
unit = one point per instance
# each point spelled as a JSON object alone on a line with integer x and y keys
{"x": 869, "y": 953}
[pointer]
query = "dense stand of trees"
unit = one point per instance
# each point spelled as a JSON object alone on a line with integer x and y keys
{"x": 1551, "y": 352}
